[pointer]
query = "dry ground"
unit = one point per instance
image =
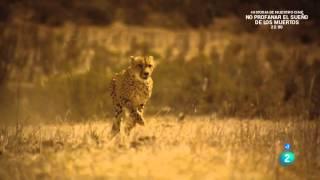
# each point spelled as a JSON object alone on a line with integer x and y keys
{"x": 195, "y": 148}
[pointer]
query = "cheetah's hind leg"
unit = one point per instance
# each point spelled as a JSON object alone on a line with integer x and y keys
{"x": 116, "y": 121}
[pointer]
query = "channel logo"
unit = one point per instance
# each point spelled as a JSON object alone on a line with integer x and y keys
{"x": 287, "y": 157}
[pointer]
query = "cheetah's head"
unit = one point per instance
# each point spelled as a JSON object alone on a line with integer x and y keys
{"x": 142, "y": 66}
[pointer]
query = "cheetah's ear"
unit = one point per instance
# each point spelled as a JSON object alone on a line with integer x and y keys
{"x": 154, "y": 61}
{"x": 132, "y": 59}
{"x": 151, "y": 58}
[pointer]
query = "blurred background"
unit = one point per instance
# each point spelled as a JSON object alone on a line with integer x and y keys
{"x": 58, "y": 56}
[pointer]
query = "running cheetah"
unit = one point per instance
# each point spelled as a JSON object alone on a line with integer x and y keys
{"x": 130, "y": 90}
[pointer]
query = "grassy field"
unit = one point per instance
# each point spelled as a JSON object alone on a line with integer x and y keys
{"x": 166, "y": 148}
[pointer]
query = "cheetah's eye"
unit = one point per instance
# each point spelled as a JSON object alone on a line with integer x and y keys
{"x": 140, "y": 65}
{"x": 149, "y": 65}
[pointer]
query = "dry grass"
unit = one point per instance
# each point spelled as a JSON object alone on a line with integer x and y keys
{"x": 196, "y": 148}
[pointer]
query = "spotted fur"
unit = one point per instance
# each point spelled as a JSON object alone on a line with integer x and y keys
{"x": 130, "y": 91}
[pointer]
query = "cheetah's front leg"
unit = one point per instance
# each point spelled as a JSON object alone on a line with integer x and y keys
{"x": 135, "y": 117}
{"x": 135, "y": 112}
{"x": 140, "y": 120}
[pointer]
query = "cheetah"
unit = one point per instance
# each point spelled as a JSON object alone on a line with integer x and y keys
{"x": 130, "y": 90}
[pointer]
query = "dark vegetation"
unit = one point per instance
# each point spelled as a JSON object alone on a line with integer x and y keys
{"x": 170, "y": 13}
